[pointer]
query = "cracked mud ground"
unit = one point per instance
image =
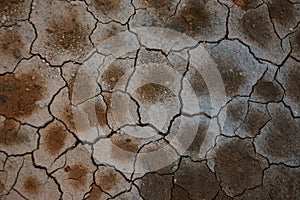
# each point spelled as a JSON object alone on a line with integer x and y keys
{"x": 71, "y": 130}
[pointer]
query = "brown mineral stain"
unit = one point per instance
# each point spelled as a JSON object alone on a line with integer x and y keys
{"x": 153, "y": 93}
{"x": 236, "y": 168}
{"x": 199, "y": 137}
{"x": 293, "y": 84}
{"x": 9, "y": 5}
{"x": 155, "y": 186}
{"x": 31, "y": 185}
{"x": 101, "y": 114}
{"x": 19, "y": 94}
{"x": 68, "y": 118}
{"x": 178, "y": 193}
{"x": 255, "y": 120}
{"x": 77, "y": 175}
{"x": 150, "y": 148}
{"x": 71, "y": 83}
{"x": 12, "y": 9}
{"x": 54, "y": 139}
{"x": 194, "y": 175}
{"x": 113, "y": 30}
{"x": 222, "y": 196}
{"x": 159, "y": 4}
{"x": 106, "y": 6}
{"x": 67, "y": 32}
{"x": 298, "y": 39}
{"x": 233, "y": 78}
{"x": 246, "y": 4}
{"x": 282, "y": 137}
{"x": 123, "y": 148}
{"x": 2, "y": 187}
{"x": 126, "y": 144}
{"x": 198, "y": 84}
{"x": 95, "y": 194}
{"x": 111, "y": 76}
{"x": 11, "y": 44}
{"x": 257, "y": 28}
{"x": 239, "y": 3}
{"x": 107, "y": 100}
{"x": 192, "y": 18}
{"x": 10, "y": 134}
{"x": 106, "y": 180}
{"x": 235, "y": 111}
{"x": 295, "y": 43}
{"x": 282, "y": 11}
{"x": 269, "y": 91}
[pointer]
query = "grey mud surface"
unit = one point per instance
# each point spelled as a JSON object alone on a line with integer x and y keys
{"x": 72, "y": 130}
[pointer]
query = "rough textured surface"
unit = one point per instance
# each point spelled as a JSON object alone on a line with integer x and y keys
{"x": 280, "y": 182}
{"x": 12, "y": 11}
{"x": 288, "y": 76}
{"x": 280, "y": 137}
{"x": 202, "y": 178}
{"x": 63, "y": 31}
{"x": 15, "y": 44}
{"x": 156, "y": 186}
{"x": 149, "y": 99}
{"x": 256, "y": 30}
{"x": 237, "y": 166}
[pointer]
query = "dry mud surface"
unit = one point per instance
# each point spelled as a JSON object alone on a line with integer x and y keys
{"x": 149, "y": 99}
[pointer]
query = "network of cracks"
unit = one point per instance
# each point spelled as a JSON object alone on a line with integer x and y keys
{"x": 94, "y": 106}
